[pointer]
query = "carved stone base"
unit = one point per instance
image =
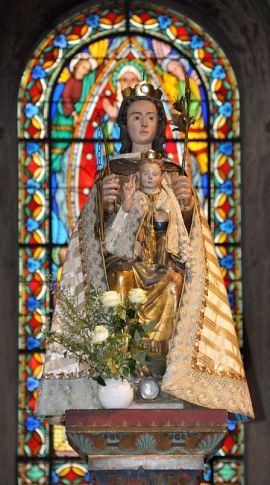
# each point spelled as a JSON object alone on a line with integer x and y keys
{"x": 146, "y": 446}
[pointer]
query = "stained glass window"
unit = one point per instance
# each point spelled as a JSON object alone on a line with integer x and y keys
{"x": 72, "y": 82}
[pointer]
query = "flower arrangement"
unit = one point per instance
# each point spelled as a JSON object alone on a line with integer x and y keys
{"x": 106, "y": 335}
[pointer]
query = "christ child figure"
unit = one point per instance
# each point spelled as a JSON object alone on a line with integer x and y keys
{"x": 148, "y": 226}
{"x": 155, "y": 220}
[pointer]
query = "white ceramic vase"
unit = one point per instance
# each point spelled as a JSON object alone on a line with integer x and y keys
{"x": 117, "y": 394}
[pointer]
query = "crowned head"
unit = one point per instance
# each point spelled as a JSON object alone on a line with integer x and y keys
{"x": 153, "y": 158}
{"x": 151, "y": 168}
{"x": 142, "y": 91}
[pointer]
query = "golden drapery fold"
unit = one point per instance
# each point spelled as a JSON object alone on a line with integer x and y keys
{"x": 204, "y": 364}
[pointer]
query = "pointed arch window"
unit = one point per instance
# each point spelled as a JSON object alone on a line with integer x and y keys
{"x": 73, "y": 80}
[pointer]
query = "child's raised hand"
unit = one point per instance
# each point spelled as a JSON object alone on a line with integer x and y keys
{"x": 129, "y": 189}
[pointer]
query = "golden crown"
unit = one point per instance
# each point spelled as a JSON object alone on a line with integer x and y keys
{"x": 151, "y": 156}
{"x": 142, "y": 89}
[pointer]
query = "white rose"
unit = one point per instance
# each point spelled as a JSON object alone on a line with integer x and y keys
{"x": 137, "y": 296}
{"x": 111, "y": 299}
{"x": 100, "y": 334}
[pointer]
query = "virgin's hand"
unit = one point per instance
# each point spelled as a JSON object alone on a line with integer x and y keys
{"x": 183, "y": 190}
{"x": 111, "y": 188}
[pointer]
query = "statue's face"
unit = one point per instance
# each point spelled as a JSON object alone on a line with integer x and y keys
{"x": 142, "y": 122}
{"x": 150, "y": 176}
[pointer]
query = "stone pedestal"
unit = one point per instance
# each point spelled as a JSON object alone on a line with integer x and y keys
{"x": 146, "y": 446}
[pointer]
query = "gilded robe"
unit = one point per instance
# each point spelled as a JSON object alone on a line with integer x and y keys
{"x": 142, "y": 253}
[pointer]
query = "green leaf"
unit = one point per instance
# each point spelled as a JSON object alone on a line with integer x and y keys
{"x": 148, "y": 327}
{"x": 137, "y": 336}
{"x": 140, "y": 356}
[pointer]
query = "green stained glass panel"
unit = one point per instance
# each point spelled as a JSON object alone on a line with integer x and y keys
{"x": 228, "y": 471}
{"x": 33, "y": 473}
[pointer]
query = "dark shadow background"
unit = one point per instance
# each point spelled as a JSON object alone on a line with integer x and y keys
{"x": 242, "y": 30}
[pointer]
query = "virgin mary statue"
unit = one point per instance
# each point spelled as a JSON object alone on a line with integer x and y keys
{"x": 184, "y": 286}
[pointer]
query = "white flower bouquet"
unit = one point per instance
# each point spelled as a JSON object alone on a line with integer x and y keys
{"x": 106, "y": 336}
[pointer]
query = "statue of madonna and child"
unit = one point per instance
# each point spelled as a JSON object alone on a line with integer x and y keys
{"x": 156, "y": 238}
